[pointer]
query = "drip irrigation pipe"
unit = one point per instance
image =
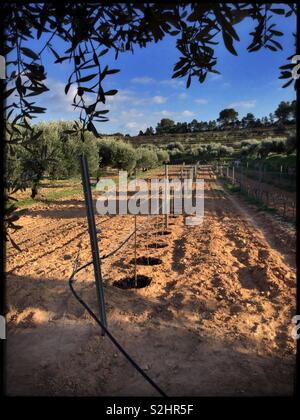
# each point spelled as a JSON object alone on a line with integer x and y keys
{"x": 110, "y": 336}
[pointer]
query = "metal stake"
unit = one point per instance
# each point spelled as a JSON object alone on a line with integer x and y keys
{"x": 93, "y": 237}
{"x": 135, "y": 270}
{"x": 166, "y": 195}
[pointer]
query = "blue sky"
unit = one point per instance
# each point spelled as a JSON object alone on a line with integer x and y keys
{"x": 248, "y": 83}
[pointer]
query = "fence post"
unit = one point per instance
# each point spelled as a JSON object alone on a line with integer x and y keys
{"x": 233, "y": 174}
{"x": 260, "y": 178}
{"x": 93, "y": 237}
{"x": 280, "y": 174}
{"x": 166, "y": 195}
{"x": 135, "y": 249}
{"x": 241, "y": 179}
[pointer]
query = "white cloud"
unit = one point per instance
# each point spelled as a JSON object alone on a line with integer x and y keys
{"x": 215, "y": 76}
{"x": 159, "y": 99}
{"x": 164, "y": 113}
{"x": 201, "y": 101}
{"x": 144, "y": 80}
{"x": 243, "y": 104}
{"x": 137, "y": 100}
{"x": 135, "y": 126}
{"x": 187, "y": 113}
{"x": 172, "y": 82}
{"x": 177, "y": 115}
{"x": 56, "y": 101}
{"x": 183, "y": 95}
{"x": 132, "y": 113}
{"x": 123, "y": 95}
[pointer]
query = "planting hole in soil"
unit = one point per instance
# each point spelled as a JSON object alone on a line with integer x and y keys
{"x": 158, "y": 245}
{"x": 163, "y": 232}
{"x": 146, "y": 261}
{"x": 129, "y": 282}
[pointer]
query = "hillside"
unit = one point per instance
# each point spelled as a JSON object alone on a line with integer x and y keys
{"x": 228, "y": 137}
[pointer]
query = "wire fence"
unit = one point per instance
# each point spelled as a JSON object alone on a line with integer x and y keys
{"x": 260, "y": 186}
{"x": 285, "y": 180}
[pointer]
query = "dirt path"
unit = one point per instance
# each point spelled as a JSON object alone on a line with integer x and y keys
{"x": 215, "y": 320}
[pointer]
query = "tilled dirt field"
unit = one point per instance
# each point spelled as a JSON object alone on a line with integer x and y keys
{"x": 215, "y": 320}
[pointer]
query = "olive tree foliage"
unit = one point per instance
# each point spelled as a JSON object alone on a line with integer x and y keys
{"x": 91, "y": 30}
{"x": 117, "y": 154}
{"x": 121, "y": 155}
{"x": 291, "y": 144}
{"x": 124, "y": 157}
{"x": 261, "y": 149}
{"x": 146, "y": 158}
{"x": 163, "y": 156}
{"x": 55, "y": 155}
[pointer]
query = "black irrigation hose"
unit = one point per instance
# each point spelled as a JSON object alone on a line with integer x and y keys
{"x": 92, "y": 314}
{"x": 110, "y": 336}
{"x": 118, "y": 247}
{"x": 109, "y": 254}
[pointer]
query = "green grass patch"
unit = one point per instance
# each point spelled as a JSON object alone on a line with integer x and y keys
{"x": 69, "y": 191}
{"x": 258, "y": 203}
{"x": 216, "y": 187}
{"x": 24, "y": 203}
{"x": 235, "y": 189}
{"x": 27, "y": 202}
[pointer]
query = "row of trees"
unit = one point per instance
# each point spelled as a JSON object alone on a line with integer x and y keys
{"x": 284, "y": 114}
{"x": 57, "y": 154}
{"x": 193, "y": 153}
{"x": 120, "y": 155}
{"x": 262, "y": 149}
{"x": 216, "y": 151}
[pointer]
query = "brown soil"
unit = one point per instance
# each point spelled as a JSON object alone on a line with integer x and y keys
{"x": 215, "y": 319}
